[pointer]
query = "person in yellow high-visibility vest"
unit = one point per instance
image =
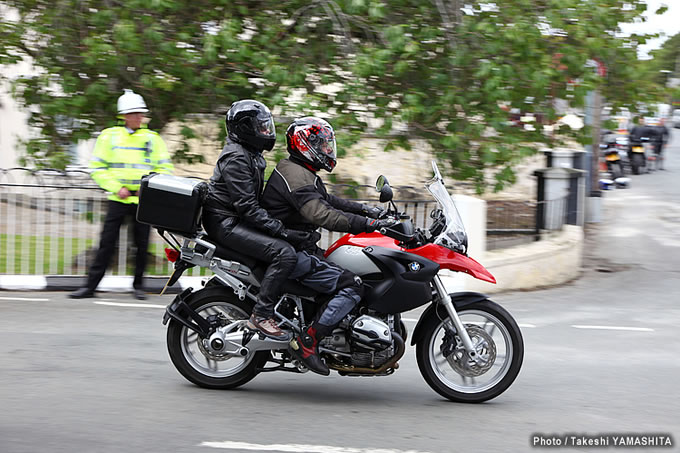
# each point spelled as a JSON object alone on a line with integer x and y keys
{"x": 122, "y": 155}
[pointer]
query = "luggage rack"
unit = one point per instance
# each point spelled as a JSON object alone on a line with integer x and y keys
{"x": 196, "y": 251}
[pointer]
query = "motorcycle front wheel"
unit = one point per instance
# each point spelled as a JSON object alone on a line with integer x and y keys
{"x": 449, "y": 370}
{"x": 194, "y": 361}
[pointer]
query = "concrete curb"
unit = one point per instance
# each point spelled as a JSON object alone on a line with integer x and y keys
{"x": 117, "y": 284}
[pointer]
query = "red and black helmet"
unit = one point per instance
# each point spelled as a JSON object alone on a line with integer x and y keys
{"x": 311, "y": 141}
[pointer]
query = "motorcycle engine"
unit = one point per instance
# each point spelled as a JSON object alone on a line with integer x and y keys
{"x": 366, "y": 341}
{"x": 370, "y": 334}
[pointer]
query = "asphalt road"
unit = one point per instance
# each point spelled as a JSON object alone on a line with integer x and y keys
{"x": 601, "y": 357}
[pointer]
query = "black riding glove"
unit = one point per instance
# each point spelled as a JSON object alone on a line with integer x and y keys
{"x": 310, "y": 244}
{"x": 374, "y": 212}
{"x": 373, "y": 224}
{"x": 295, "y": 237}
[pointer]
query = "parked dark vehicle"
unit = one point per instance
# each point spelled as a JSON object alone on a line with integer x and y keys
{"x": 610, "y": 147}
{"x": 468, "y": 348}
{"x": 641, "y": 140}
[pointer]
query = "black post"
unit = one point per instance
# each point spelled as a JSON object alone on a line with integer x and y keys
{"x": 540, "y": 203}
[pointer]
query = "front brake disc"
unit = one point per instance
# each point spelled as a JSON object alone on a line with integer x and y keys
{"x": 454, "y": 352}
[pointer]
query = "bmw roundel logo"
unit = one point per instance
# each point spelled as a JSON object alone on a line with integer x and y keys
{"x": 414, "y": 266}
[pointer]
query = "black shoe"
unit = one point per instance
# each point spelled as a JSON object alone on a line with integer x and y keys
{"x": 82, "y": 293}
{"x": 305, "y": 347}
{"x": 139, "y": 294}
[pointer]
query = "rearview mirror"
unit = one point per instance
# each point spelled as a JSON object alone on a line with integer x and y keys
{"x": 380, "y": 183}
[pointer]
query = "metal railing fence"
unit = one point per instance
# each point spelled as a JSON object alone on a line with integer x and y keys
{"x": 515, "y": 222}
{"x": 50, "y": 224}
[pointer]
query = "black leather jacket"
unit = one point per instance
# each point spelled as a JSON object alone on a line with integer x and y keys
{"x": 235, "y": 190}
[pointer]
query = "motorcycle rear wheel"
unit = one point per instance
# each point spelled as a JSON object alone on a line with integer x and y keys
{"x": 637, "y": 163}
{"x": 451, "y": 373}
{"x": 193, "y": 362}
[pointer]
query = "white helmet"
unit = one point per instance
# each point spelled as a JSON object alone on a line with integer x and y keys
{"x": 130, "y": 102}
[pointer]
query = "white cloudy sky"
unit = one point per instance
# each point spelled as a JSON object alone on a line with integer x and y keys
{"x": 668, "y": 23}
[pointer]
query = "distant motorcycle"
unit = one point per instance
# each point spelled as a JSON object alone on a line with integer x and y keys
{"x": 638, "y": 159}
{"x": 468, "y": 348}
{"x": 610, "y": 149}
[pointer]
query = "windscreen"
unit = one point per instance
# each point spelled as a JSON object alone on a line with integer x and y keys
{"x": 453, "y": 236}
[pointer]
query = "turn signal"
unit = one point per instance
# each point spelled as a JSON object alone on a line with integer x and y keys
{"x": 172, "y": 254}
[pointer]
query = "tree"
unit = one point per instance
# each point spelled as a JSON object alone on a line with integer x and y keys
{"x": 445, "y": 71}
{"x": 663, "y": 67}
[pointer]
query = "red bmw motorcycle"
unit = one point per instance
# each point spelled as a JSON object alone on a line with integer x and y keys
{"x": 468, "y": 348}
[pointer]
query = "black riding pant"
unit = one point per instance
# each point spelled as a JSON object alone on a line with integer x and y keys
{"x": 115, "y": 216}
{"x": 248, "y": 241}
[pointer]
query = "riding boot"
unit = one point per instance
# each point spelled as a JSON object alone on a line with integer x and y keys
{"x": 306, "y": 348}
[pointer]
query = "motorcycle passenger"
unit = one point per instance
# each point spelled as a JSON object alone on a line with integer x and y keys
{"x": 233, "y": 216}
{"x": 296, "y": 195}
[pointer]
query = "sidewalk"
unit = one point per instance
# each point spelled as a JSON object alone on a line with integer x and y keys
{"x": 110, "y": 283}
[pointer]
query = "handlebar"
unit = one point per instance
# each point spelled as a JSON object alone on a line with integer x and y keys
{"x": 403, "y": 231}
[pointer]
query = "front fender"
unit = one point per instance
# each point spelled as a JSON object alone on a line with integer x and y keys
{"x": 459, "y": 300}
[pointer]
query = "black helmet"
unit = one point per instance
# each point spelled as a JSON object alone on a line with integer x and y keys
{"x": 311, "y": 140}
{"x": 251, "y": 123}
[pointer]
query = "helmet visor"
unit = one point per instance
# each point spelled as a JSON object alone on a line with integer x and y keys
{"x": 264, "y": 127}
{"x": 322, "y": 145}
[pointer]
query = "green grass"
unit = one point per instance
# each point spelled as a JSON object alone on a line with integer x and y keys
{"x": 55, "y": 262}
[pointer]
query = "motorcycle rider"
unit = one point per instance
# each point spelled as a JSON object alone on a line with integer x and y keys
{"x": 233, "y": 216}
{"x": 297, "y": 196}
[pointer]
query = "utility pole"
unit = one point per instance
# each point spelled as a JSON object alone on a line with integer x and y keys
{"x": 594, "y": 119}
{"x": 596, "y": 126}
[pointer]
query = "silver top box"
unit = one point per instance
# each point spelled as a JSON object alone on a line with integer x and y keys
{"x": 175, "y": 184}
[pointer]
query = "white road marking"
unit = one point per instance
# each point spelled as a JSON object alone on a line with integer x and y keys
{"x": 295, "y": 448}
{"x": 632, "y": 329}
{"x": 24, "y": 298}
{"x": 122, "y": 304}
{"x": 528, "y": 326}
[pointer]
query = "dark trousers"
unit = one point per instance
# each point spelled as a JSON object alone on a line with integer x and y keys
{"x": 253, "y": 243}
{"x": 115, "y": 216}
